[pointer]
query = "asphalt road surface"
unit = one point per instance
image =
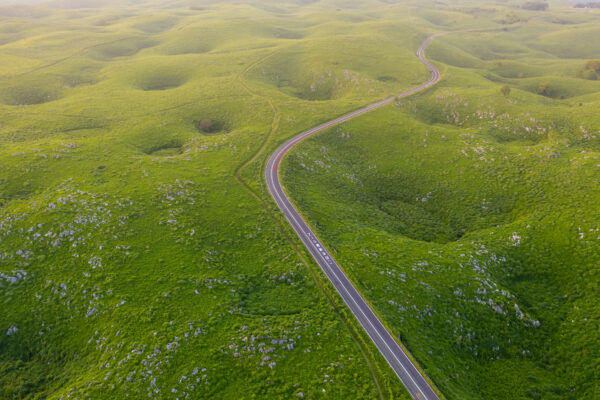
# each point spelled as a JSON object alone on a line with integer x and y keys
{"x": 410, "y": 376}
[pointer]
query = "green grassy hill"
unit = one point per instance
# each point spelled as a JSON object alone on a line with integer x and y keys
{"x": 469, "y": 218}
{"x": 141, "y": 256}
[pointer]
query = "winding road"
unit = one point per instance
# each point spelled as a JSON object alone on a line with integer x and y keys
{"x": 410, "y": 376}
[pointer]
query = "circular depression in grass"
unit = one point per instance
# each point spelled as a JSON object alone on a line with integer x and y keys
{"x": 120, "y": 48}
{"x": 190, "y": 46}
{"x": 161, "y": 79}
{"x": 157, "y": 25}
{"x": 208, "y": 126}
{"x": 28, "y": 94}
{"x": 171, "y": 147}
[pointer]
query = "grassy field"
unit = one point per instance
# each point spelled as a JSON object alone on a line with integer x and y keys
{"x": 141, "y": 257}
{"x": 469, "y": 218}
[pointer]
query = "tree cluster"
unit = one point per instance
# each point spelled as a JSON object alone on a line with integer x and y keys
{"x": 590, "y": 71}
{"x": 587, "y": 5}
{"x": 535, "y": 5}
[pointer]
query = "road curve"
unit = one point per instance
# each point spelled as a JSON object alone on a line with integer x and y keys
{"x": 410, "y": 376}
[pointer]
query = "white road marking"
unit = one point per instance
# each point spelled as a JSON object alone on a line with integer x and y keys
{"x": 334, "y": 273}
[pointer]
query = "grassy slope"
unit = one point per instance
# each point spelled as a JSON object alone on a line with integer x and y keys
{"x": 133, "y": 262}
{"x": 146, "y": 258}
{"x": 467, "y": 218}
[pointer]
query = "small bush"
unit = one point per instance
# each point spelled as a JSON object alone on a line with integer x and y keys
{"x": 544, "y": 89}
{"x": 590, "y": 70}
{"x": 206, "y": 125}
{"x": 590, "y": 75}
{"x": 592, "y": 65}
